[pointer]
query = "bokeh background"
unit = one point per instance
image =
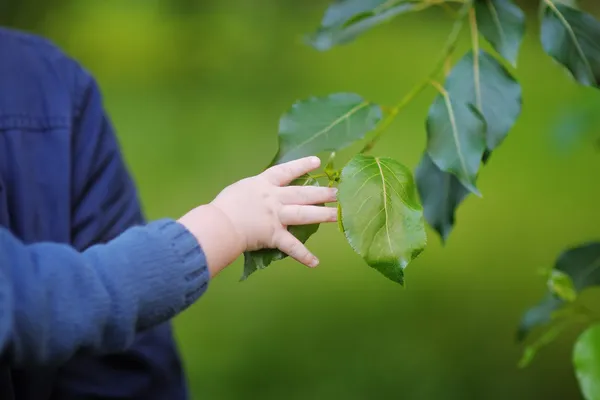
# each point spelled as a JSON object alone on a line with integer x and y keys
{"x": 195, "y": 89}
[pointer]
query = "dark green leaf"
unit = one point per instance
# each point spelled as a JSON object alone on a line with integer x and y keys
{"x": 325, "y": 124}
{"x": 382, "y": 217}
{"x": 456, "y": 138}
{"x": 345, "y": 20}
{"x": 540, "y": 314}
{"x": 342, "y": 11}
{"x": 255, "y": 260}
{"x": 572, "y": 38}
{"x": 502, "y": 23}
{"x": 441, "y": 193}
{"x": 586, "y": 360}
{"x": 582, "y": 265}
{"x": 484, "y": 82}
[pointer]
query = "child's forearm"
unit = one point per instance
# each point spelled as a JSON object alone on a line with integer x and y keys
{"x": 55, "y": 301}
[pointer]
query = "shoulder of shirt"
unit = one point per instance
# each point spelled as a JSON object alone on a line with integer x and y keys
{"x": 41, "y": 83}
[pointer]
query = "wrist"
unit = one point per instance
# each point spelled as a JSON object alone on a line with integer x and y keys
{"x": 216, "y": 234}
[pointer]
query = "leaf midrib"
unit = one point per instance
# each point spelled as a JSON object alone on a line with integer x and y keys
{"x": 496, "y": 18}
{"x": 387, "y": 228}
{"x": 452, "y": 117}
{"x": 571, "y": 33}
{"x": 588, "y": 271}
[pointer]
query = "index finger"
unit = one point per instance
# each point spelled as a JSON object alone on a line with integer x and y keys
{"x": 285, "y": 173}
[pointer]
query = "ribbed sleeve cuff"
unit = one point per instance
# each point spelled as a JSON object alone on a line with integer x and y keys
{"x": 171, "y": 270}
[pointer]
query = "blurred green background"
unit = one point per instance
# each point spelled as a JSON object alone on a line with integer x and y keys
{"x": 195, "y": 89}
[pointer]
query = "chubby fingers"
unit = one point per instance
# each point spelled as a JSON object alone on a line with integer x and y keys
{"x": 290, "y": 245}
{"x": 285, "y": 173}
{"x": 305, "y": 215}
{"x": 307, "y": 195}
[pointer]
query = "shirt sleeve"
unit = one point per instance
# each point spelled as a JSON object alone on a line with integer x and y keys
{"x": 56, "y": 301}
{"x": 105, "y": 203}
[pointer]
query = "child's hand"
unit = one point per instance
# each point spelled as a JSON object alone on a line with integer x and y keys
{"x": 254, "y": 213}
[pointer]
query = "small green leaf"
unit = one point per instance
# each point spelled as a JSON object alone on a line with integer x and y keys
{"x": 456, "y": 138}
{"x": 382, "y": 217}
{"x": 260, "y": 259}
{"x": 586, "y": 360}
{"x": 484, "y": 82}
{"x": 572, "y": 38}
{"x": 441, "y": 193}
{"x": 325, "y": 124}
{"x": 582, "y": 265}
{"x": 502, "y": 23}
{"x": 345, "y": 20}
{"x": 561, "y": 284}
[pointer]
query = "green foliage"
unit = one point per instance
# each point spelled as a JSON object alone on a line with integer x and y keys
{"x": 576, "y": 270}
{"x": 586, "y": 359}
{"x": 381, "y": 214}
{"x": 485, "y": 83}
{"x": 441, "y": 193}
{"x": 502, "y": 23}
{"x": 345, "y": 20}
{"x": 325, "y": 123}
{"x": 382, "y": 207}
{"x": 572, "y": 38}
{"x": 456, "y": 138}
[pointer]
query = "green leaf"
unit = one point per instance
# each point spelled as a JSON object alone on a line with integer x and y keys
{"x": 456, "y": 138}
{"x": 561, "y": 284}
{"x": 382, "y": 217}
{"x": 502, "y": 23}
{"x": 441, "y": 193}
{"x": 572, "y": 38}
{"x": 540, "y": 314}
{"x": 345, "y": 20}
{"x": 260, "y": 259}
{"x": 586, "y": 360}
{"x": 582, "y": 265}
{"x": 325, "y": 124}
{"x": 484, "y": 82}
{"x": 342, "y": 11}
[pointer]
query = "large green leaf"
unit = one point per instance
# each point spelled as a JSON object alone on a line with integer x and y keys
{"x": 502, "y": 23}
{"x": 441, "y": 193}
{"x": 382, "y": 217}
{"x": 345, "y": 20}
{"x": 484, "y": 82}
{"x": 260, "y": 259}
{"x": 325, "y": 124}
{"x": 586, "y": 360}
{"x": 572, "y": 38}
{"x": 582, "y": 265}
{"x": 456, "y": 138}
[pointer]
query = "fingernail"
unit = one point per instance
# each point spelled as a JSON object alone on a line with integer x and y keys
{"x": 335, "y": 192}
{"x": 315, "y": 160}
{"x": 314, "y": 262}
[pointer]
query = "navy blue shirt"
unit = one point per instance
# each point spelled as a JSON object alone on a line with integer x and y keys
{"x": 62, "y": 179}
